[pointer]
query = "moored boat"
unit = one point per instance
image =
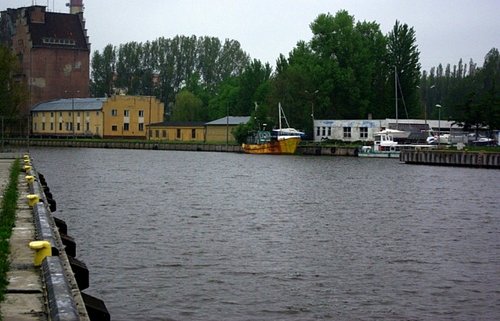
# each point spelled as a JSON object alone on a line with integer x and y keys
{"x": 278, "y": 141}
{"x": 384, "y": 146}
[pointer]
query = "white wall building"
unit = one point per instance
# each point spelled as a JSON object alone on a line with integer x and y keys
{"x": 364, "y": 129}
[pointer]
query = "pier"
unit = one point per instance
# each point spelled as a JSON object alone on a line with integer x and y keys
{"x": 451, "y": 158}
{"x": 45, "y": 279}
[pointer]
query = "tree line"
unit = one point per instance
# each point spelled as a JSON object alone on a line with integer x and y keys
{"x": 348, "y": 70}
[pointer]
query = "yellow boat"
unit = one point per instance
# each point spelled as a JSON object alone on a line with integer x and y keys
{"x": 278, "y": 141}
{"x": 263, "y": 143}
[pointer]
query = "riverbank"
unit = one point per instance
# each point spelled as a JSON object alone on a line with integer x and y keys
{"x": 317, "y": 150}
{"x": 45, "y": 279}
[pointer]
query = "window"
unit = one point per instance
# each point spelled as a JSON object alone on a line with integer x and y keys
{"x": 363, "y": 132}
{"x": 51, "y": 114}
{"x": 69, "y": 113}
{"x": 87, "y": 126}
{"x": 78, "y": 114}
{"x": 51, "y": 126}
{"x": 126, "y": 126}
{"x": 114, "y": 112}
{"x": 323, "y": 131}
{"x": 317, "y": 131}
{"x": 78, "y": 126}
{"x": 126, "y": 113}
{"x": 178, "y": 133}
{"x": 157, "y": 133}
{"x": 193, "y": 133}
{"x": 60, "y": 126}
{"x": 60, "y": 114}
{"x": 97, "y": 113}
{"x": 164, "y": 133}
{"x": 141, "y": 113}
{"x": 329, "y": 131}
{"x": 141, "y": 127}
{"x": 347, "y": 132}
{"x": 114, "y": 128}
{"x": 43, "y": 126}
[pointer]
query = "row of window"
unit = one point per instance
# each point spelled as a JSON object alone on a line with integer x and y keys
{"x": 61, "y": 114}
{"x": 178, "y": 133}
{"x": 327, "y": 131}
{"x": 126, "y": 127}
{"x": 126, "y": 113}
{"x": 68, "y": 126}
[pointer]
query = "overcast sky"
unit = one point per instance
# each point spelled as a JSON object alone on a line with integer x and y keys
{"x": 447, "y": 30}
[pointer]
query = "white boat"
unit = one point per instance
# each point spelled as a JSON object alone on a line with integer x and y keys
{"x": 384, "y": 146}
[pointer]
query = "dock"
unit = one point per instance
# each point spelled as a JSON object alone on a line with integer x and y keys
{"x": 451, "y": 158}
{"x": 45, "y": 280}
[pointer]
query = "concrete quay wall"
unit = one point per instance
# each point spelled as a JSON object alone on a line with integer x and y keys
{"x": 46, "y": 279}
{"x": 451, "y": 158}
{"x": 152, "y": 145}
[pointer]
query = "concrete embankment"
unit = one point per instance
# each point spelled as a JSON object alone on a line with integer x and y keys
{"x": 151, "y": 145}
{"x": 45, "y": 279}
{"x": 451, "y": 158}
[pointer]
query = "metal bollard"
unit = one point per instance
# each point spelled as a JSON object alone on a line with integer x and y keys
{"x": 42, "y": 250}
{"x": 32, "y": 199}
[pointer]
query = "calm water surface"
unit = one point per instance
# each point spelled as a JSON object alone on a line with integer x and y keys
{"x": 170, "y": 235}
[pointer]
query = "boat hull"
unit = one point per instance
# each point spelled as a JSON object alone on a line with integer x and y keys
{"x": 276, "y": 147}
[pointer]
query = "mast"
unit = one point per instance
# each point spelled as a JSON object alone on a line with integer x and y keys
{"x": 396, "y": 93}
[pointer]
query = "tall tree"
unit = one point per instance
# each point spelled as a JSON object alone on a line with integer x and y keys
{"x": 103, "y": 71}
{"x": 404, "y": 57}
{"x": 13, "y": 93}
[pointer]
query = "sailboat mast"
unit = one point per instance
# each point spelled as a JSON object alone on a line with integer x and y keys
{"x": 396, "y": 93}
{"x": 279, "y": 112}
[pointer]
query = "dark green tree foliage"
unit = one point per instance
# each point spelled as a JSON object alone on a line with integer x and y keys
{"x": 469, "y": 95}
{"x": 13, "y": 93}
{"x": 103, "y": 70}
{"x": 404, "y": 56}
{"x": 198, "y": 63}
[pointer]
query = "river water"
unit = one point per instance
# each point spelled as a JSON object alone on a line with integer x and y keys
{"x": 172, "y": 235}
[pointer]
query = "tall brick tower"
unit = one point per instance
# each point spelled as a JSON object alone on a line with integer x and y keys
{"x": 53, "y": 50}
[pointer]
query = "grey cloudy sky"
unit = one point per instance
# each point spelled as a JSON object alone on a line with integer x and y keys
{"x": 447, "y": 30}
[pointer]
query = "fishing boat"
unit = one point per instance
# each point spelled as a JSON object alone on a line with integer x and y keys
{"x": 277, "y": 141}
{"x": 384, "y": 146}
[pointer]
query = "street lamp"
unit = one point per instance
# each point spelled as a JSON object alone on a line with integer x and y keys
{"x": 439, "y": 124}
{"x": 227, "y": 126}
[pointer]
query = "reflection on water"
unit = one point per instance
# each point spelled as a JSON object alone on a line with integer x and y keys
{"x": 218, "y": 236}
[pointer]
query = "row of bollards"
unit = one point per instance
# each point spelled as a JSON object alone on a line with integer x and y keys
{"x": 55, "y": 252}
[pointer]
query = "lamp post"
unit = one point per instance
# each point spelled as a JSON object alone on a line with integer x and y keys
{"x": 439, "y": 124}
{"x": 313, "y": 96}
{"x": 227, "y": 126}
{"x": 73, "y": 109}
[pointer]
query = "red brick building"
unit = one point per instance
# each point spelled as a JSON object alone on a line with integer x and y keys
{"x": 53, "y": 50}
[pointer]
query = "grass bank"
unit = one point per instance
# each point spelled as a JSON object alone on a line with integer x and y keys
{"x": 7, "y": 221}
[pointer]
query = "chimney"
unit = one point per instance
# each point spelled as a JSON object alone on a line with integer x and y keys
{"x": 75, "y": 6}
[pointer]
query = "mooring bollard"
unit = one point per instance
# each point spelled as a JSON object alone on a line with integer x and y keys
{"x": 42, "y": 250}
{"x": 32, "y": 199}
{"x": 30, "y": 178}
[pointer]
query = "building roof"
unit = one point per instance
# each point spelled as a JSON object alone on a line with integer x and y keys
{"x": 70, "y": 104}
{"x": 231, "y": 120}
{"x": 62, "y": 30}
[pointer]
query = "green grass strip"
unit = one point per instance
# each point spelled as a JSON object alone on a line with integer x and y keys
{"x": 7, "y": 221}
